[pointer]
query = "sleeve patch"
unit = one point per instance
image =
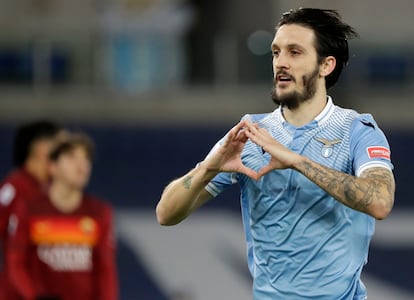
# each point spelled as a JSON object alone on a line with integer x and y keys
{"x": 379, "y": 152}
{"x": 7, "y": 194}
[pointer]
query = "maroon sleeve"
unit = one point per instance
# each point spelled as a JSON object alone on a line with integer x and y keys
{"x": 4, "y": 219}
{"x": 17, "y": 252}
{"x": 105, "y": 266}
{"x": 8, "y": 195}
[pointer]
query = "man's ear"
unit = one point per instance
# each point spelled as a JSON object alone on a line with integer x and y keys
{"x": 327, "y": 66}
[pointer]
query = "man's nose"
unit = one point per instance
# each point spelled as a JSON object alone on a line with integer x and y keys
{"x": 281, "y": 62}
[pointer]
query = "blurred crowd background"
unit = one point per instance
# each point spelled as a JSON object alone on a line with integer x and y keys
{"x": 157, "y": 82}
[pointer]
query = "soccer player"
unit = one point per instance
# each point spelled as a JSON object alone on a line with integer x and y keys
{"x": 29, "y": 179}
{"x": 62, "y": 246}
{"x": 313, "y": 176}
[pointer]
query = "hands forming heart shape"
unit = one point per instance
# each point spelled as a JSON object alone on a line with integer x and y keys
{"x": 227, "y": 158}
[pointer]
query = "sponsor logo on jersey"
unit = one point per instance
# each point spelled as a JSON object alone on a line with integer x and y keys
{"x": 66, "y": 257}
{"x": 65, "y": 243}
{"x": 379, "y": 152}
{"x": 327, "y": 147}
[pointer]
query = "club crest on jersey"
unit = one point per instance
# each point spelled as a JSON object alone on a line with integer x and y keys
{"x": 327, "y": 147}
{"x": 87, "y": 225}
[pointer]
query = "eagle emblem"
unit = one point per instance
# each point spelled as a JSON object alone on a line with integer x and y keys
{"x": 327, "y": 147}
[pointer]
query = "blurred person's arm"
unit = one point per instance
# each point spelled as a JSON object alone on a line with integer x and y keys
{"x": 7, "y": 195}
{"x": 17, "y": 253}
{"x": 105, "y": 267}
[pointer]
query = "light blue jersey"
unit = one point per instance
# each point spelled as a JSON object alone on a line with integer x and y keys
{"x": 302, "y": 243}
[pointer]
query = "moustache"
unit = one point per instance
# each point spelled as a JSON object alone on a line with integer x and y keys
{"x": 285, "y": 75}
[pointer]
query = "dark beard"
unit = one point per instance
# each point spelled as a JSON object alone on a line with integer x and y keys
{"x": 294, "y": 99}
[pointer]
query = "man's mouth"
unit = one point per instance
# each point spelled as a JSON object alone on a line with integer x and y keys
{"x": 283, "y": 78}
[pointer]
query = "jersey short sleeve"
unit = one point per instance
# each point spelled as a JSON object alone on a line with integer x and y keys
{"x": 368, "y": 144}
{"x": 221, "y": 182}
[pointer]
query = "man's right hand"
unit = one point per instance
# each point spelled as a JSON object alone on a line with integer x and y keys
{"x": 227, "y": 157}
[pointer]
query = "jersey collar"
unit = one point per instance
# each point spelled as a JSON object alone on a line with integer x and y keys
{"x": 326, "y": 112}
{"x": 319, "y": 119}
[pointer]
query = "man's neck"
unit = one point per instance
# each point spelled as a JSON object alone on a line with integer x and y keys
{"x": 307, "y": 110}
{"x": 63, "y": 198}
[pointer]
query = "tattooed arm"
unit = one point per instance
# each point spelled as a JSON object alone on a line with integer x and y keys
{"x": 184, "y": 195}
{"x": 371, "y": 193}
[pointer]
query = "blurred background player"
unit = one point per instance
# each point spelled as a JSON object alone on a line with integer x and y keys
{"x": 29, "y": 179}
{"x": 62, "y": 246}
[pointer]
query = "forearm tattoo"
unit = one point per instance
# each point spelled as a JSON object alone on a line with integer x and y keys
{"x": 187, "y": 182}
{"x": 374, "y": 187}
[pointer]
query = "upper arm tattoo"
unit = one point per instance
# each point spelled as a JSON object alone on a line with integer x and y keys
{"x": 378, "y": 187}
{"x": 375, "y": 186}
{"x": 383, "y": 179}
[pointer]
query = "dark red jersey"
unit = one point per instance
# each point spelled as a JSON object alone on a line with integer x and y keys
{"x": 18, "y": 186}
{"x": 64, "y": 256}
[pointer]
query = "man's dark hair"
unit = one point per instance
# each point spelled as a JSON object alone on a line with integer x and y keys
{"x": 28, "y": 134}
{"x": 331, "y": 35}
{"x": 71, "y": 141}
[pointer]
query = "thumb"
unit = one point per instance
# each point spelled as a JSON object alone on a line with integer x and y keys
{"x": 249, "y": 172}
{"x": 263, "y": 171}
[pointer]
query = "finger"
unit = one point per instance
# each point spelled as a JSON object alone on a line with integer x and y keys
{"x": 253, "y": 136}
{"x": 249, "y": 172}
{"x": 251, "y": 126}
{"x": 255, "y": 130}
{"x": 237, "y": 129}
{"x": 232, "y": 134}
{"x": 241, "y": 137}
{"x": 246, "y": 125}
{"x": 260, "y": 137}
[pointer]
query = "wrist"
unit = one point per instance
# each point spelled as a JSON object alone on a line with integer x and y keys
{"x": 299, "y": 162}
{"x": 206, "y": 170}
